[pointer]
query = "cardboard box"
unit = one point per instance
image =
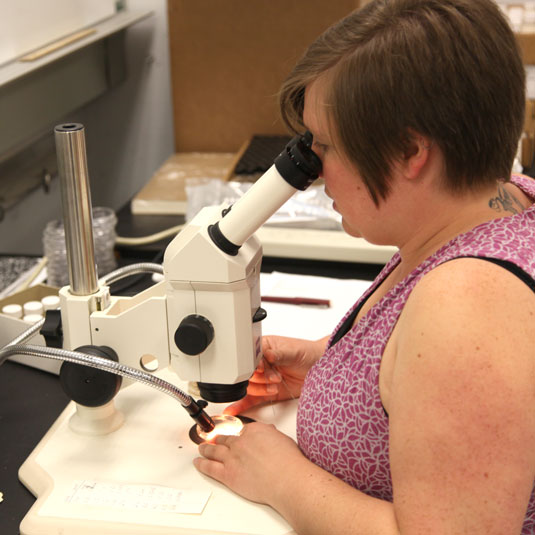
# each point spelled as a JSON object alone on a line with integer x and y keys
{"x": 526, "y": 41}
{"x": 228, "y": 60}
{"x": 35, "y": 293}
{"x": 10, "y": 327}
{"x": 165, "y": 192}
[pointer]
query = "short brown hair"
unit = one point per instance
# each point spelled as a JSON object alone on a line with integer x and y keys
{"x": 447, "y": 69}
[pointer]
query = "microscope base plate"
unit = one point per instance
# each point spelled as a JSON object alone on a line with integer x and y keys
{"x": 151, "y": 449}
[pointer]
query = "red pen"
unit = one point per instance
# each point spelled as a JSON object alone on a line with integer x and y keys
{"x": 311, "y": 301}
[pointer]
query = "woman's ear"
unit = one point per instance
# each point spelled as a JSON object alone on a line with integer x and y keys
{"x": 416, "y": 155}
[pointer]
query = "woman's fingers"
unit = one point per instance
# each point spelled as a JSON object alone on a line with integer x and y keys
{"x": 212, "y": 469}
{"x": 214, "y": 455}
{"x": 265, "y": 374}
{"x": 225, "y": 440}
{"x": 262, "y": 389}
{"x": 242, "y": 405}
{"x": 256, "y": 393}
{"x": 214, "y": 452}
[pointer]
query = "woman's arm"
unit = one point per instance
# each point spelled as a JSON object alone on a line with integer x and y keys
{"x": 266, "y": 466}
{"x": 462, "y": 414}
{"x": 462, "y": 402}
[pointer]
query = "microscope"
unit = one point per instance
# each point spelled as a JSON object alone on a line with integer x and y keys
{"x": 203, "y": 320}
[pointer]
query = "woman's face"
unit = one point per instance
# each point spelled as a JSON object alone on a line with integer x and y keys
{"x": 343, "y": 183}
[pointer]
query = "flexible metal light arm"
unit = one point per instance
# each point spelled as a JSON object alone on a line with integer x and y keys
{"x": 194, "y": 408}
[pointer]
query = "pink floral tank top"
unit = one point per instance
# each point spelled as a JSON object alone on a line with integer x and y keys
{"x": 341, "y": 423}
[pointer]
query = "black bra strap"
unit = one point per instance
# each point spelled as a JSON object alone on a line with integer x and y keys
{"x": 509, "y": 266}
{"x": 346, "y": 325}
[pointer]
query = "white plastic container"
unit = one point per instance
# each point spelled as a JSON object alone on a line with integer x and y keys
{"x": 32, "y": 308}
{"x": 13, "y": 311}
{"x": 50, "y": 302}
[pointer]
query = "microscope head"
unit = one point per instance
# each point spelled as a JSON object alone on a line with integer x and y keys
{"x": 212, "y": 274}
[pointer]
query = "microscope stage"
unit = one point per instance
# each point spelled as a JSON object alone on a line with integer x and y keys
{"x": 135, "y": 479}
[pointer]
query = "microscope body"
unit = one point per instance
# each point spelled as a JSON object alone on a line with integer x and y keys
{"x": 219, "y": 296}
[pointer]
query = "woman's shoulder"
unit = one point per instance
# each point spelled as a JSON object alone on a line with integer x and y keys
{"x": 467, "y": 277}
{"x": 470, "y": 305}
{"x": 525, "y": 183}
{"x": 471, "y": 294}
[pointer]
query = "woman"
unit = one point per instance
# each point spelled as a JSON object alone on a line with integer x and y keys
{"x": 418, "y": 414}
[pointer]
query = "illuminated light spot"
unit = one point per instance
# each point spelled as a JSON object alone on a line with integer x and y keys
{"x": 225, "y": 425}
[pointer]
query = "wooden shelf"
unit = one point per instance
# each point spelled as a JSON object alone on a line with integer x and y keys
{"x": 35, "y": 94}
{"x": 15, "y": 69}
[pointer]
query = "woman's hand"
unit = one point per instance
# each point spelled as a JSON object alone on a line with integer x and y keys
{"x": 281, "y": 372}
{"x": 252, "y": 465}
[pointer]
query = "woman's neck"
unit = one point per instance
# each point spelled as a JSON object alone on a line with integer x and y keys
{"x": 446, "y": 216}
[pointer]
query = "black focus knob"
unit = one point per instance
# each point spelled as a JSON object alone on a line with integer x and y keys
{"x": 194, "y": 334}
{"x": 87, "y": 386}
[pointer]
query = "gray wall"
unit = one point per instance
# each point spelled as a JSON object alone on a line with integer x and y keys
{"x": 129, "y": 133}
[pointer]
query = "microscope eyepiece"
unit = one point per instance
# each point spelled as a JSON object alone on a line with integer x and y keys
{"x": 295, "y": 168}
{"x": 298, "y": 164}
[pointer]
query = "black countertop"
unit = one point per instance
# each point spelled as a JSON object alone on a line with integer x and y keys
{"x": 30, "y": 402}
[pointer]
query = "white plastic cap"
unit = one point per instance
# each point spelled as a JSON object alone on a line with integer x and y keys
{"x": 14, "y": 310}
{"x": 33, "y": 307}
{"x": 50, "y": 302}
